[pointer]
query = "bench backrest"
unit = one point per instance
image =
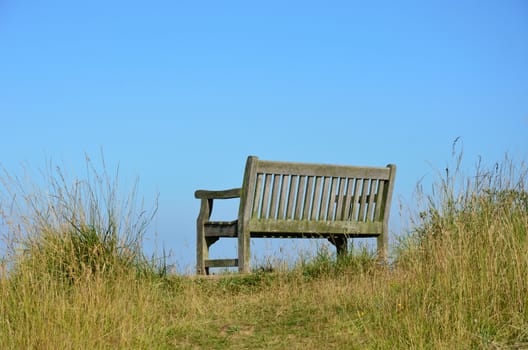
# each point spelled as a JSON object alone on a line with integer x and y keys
{"x": 315, "y": 198}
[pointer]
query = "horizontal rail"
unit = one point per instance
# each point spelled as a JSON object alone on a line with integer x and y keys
{"x": 221, "y": 263}
{"x": 308, "y": 169}
{"x": 221, "y": 228}
{"x": 310, "y": 227}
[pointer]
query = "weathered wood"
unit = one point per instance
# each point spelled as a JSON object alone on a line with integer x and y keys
{"x": 291, "y": 197}
{"x": 308, "y": 198}
{"x": 274, "y": 197}
{"x": 316, "y": 197}
{"x": 257, "y": 234}
{"x": 348, "y": 199}
{"x": 265, "y": 197}
{"x": 363, "y": 200}
{"x": 332, "y": 201}
{"x": 221, "y": 228}
{"x": 355, "y": 202}
{"x": 308, "y": 169}
{"x": 244, "y": 213}
{"x": 221, "y": 263}
{"x": 299, "y": 200}
{"x": 370, "y": 199}
{"x": 339, "y": 199}
{"x": 225, "y": 194}
{"x": 257, "y": 195}
{"x": 324, "y": 199}
{"x": 379, "y": 201}
{"x": 320, "y": 227}
{"x": 340, "y": 243}
{"x": 202, "y": 249}
{"x": 283, "y": 197}
{"x": 383, "y": 239}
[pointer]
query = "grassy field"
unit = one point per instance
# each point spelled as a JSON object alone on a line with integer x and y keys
{"x": 77, "y": 278}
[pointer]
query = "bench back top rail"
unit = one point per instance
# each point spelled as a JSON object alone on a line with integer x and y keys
{"x": 279, "y": 191}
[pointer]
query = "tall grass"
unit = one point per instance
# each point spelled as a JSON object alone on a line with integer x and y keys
{"x": 469, "y": 258}
{"x": 69, "y": 227}
{"x": 458, "y": 279}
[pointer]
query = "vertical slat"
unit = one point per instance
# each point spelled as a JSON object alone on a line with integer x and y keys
{"x": 274, "y": 197}
{"x": 299, "y": 201}
{"x": 307, "y": 198}
{"x": 283, "y": 195}
{"x": 332, "y": 200}
{"x": 265, "y": 197}
{"x": 316, "y": 196}
{"x": 363, "y": 200}
{"x": 291, "y": 197}
{"x": 340, "y": 196}
{"x": 355, "y": 201}
{"x": 379, "y": 200}
{"x": 258, "y": 192}
{"x": 324, "y": 198}
{"x": 348, "y": 198}
{"x": 372, "y": 193}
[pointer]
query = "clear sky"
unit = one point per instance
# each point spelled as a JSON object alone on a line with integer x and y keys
{"x": 179, "y": 93}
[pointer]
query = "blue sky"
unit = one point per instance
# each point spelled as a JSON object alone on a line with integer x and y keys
{"x": 179, "y": 93}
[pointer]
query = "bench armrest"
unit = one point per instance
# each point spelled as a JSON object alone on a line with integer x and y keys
{"x": 207, "y": 198}
{"x": 226, "y": 194}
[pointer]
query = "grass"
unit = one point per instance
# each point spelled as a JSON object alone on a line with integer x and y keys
{"x": 75, "y": 277}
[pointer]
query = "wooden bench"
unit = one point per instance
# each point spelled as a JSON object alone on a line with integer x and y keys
{"x": 299, "y": 200}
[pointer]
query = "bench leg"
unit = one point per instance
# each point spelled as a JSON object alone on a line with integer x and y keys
{"x": 202, "y": 244}
{"x": 383, "y": 247}
{"x": 341, "y": 245}
{"x": 203, "y": 254}
{"x": 243, "y": 252}
{"x": 209, "y": 242}
{"x": 202, "y": 250}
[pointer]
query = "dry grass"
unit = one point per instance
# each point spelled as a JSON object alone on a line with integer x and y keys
{"x": 458, "y": 281}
